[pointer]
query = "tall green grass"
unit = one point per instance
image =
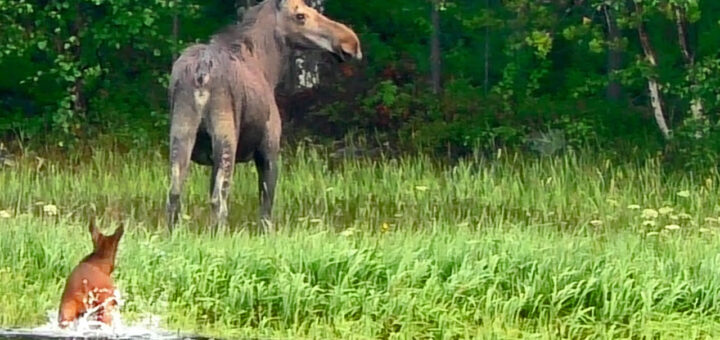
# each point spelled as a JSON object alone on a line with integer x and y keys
{"x": 508, "y": 247}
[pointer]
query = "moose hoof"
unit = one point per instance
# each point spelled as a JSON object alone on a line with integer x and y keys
{"x": 266, "y": 226}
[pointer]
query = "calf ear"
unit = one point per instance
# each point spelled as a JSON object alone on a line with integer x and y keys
{"x": 94, "y": 233}
{"x": 119, "y": 232}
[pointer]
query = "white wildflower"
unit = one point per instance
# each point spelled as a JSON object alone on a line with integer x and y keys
{"x": 672, "y": 227}
{"x": 50, "y": 209}
{"x": 665, "y": 210}
{"x": 684, "y": 193}
{"x": 649, "y": 213}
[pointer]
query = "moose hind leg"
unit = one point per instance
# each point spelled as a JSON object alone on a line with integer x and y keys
{"x": 224, "y": 146}
{"x": 266, "y": 164}
{"x": 183, "y": 132}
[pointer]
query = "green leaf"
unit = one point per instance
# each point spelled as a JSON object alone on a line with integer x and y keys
{"x": 596, "y": 45}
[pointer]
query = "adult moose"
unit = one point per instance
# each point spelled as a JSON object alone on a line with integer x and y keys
{"x": 222, "y": 100}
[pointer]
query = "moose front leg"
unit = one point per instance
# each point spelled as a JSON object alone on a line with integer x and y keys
{"x": 266, "y": 164}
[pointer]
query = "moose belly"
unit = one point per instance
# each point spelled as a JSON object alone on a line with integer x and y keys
{"x": 247, "y": 145}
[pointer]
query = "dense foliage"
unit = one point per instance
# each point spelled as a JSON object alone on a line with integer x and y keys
{"x": 538, "y": 75}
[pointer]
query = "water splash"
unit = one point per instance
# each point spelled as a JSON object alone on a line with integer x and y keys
{"x": 87, "y": 327}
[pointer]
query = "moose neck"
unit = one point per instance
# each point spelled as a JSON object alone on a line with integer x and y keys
{"x": 266, "y": 47}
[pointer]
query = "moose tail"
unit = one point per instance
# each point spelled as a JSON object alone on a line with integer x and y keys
{"x": 203, "y": 68}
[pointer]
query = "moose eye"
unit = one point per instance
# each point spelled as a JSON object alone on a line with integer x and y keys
{"x": 300, "y": 16}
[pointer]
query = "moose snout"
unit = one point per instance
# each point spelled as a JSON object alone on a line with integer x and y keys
{"x": 352, "y": 49}
{"x": 348, "y": 45}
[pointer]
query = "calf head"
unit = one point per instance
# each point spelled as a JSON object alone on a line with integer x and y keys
{"x": 105, "y": 247}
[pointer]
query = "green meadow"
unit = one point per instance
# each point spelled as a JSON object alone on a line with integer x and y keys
{"x": 505, "y": 246}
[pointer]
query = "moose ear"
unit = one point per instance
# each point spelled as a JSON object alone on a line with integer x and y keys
{"x": 94, "y": 233}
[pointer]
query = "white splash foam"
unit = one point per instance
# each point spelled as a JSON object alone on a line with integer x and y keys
{"x": 148, "y": 327}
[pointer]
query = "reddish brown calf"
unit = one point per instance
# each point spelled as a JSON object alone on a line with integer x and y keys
{"x": 90, "y": 287}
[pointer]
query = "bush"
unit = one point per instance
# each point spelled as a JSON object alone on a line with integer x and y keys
{"x": 695, "y": 146}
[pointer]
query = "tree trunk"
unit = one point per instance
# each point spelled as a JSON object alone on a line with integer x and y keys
{"x": 78, "y": 87}
{"x": 614, "y": 61}
{"x": 696, "y": 104}
{"x": 655, "y": 96}
{"x": 486, "y": 81}
{"x": 304, "y": 68}
{"x": 435, "y": 47}
{"x": 307, "y": 65}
